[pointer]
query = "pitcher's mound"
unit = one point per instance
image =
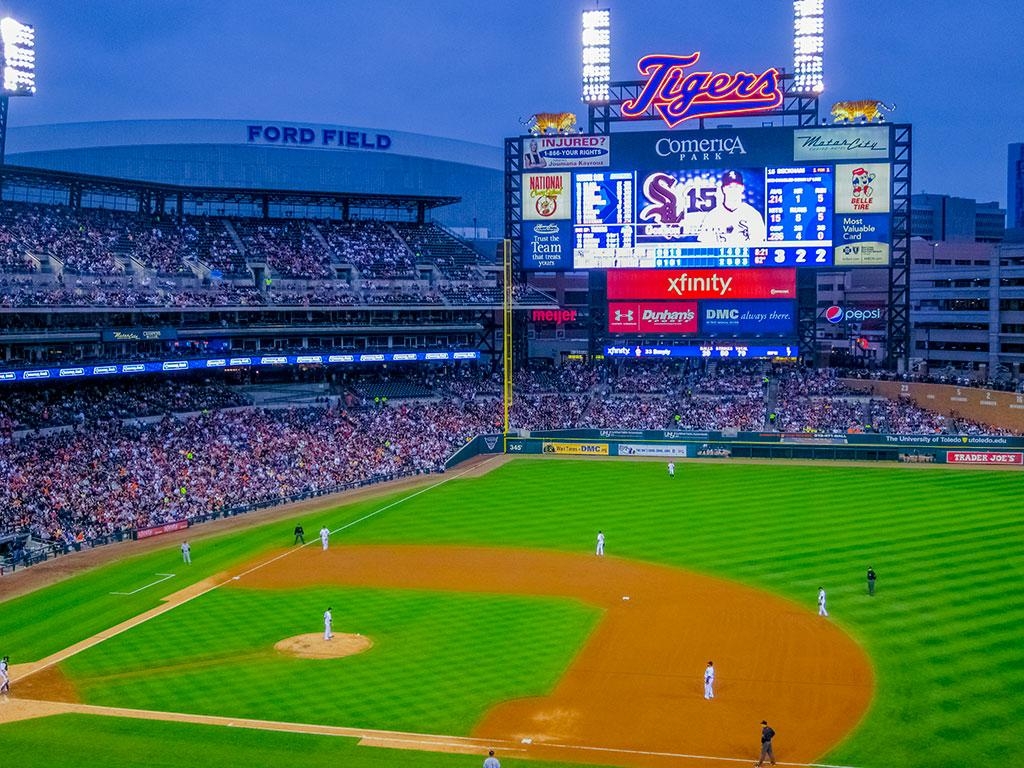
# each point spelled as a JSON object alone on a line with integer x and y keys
{"x": 313, "y": 646}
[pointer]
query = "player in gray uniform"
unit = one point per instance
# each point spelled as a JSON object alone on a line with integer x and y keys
{"x": 5, "y": 675}
{"x": 822, "y": 610}
{"x": 709, "y": 681}
{"x": 328, "y": 621}
{"x": 491, "y": 761}
{"x": 325, "y": 534}
{"x": 600, "y": 542}
{"x": 733, "y": 221}
{"x": 186, "y": 552}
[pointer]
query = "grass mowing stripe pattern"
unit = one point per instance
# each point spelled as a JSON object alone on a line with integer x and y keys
{"x": 943, "y": 630}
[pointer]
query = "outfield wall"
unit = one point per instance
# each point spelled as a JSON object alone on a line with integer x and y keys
{"x": 672, "y": 444}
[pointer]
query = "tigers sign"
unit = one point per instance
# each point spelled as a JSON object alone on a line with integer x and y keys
{"x": 679, "y": 94}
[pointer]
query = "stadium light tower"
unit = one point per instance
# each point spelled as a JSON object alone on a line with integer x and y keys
{"x": 18, "y": 63}
{"x": 809, "y": 46}
{"x": 597, "y": 55}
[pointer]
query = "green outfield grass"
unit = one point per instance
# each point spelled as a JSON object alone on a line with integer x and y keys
{"x": 944, "y": 630}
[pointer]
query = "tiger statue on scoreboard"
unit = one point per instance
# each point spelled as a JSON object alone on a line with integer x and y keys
{"x": 556, "y": 122}
{"x": 868, "y": 109}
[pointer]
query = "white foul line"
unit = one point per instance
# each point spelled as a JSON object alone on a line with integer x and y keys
{"x": 166, "y": 576}
{"x": 67, "y": 653}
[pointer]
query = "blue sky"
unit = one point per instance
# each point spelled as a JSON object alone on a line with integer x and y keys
{"x": 470, "y": 69}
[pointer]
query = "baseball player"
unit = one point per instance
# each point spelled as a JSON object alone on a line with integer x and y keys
{"x": 709, "y": 681}
{"x": 671, "y": 469}
{"x": 491, "y": 761}
{"x": 732, "y": 221}
{"x": 822, "y": 610}
{"x": 324, "y": 535}
{"x": 328, "y": 620}
{"x": 767, "y": 734}
{"x": 600, "y": 542}
{"x": 5, "y": 676}
{"x": 186, "y": 552}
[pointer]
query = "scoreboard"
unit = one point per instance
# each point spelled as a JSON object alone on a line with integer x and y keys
{"x": 717, "y": 198}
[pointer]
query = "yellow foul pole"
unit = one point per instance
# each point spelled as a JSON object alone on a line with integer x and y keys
{"x": 506, "y": 345}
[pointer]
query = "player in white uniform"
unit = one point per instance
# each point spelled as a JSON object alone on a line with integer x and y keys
{"x": 671, "y": 469}
{"x": 324, "y": 535}
{"x": 328, "y": 620}
{"x": 732, "y": 221}
{"x": 822, "y": 610}
{"x": 709, "y": 680}
{"x": 5, "y": 676}
{"x": 186, "y": 552}
{"x": 600, "y": 542}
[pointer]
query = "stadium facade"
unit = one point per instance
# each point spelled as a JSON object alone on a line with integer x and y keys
{"x": 276, "y": 155}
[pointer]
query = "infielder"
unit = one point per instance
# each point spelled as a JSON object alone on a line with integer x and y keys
{"x": 600, "y": 542}
{"x": 328, "y": 620}
{"x": 324, "y": 535}
{"x": 5, "y": 676}
{"x": 732, "y": 221}
{"x": 822, "y": 610}
{"x": 709, "y": 681}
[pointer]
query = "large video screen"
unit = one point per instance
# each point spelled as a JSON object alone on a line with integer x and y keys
{"x": 721, "y": 198}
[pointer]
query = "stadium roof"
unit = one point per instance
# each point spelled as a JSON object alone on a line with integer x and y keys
{"x": 78, "y": 183}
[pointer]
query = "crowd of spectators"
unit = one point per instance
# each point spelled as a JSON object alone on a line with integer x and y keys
{"x": 109, "y": 469}
{"x": 372, "y": 247}
{"x": 290, "y": 248}
{"x": 40, "y": 407}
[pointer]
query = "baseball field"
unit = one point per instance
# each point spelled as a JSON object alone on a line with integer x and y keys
{"x": 470, "y": 612}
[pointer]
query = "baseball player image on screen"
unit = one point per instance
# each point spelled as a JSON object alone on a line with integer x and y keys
{"x": 733, "y": 221}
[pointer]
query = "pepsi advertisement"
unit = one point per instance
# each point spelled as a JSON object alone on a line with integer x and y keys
{"x": 748, "y": 318}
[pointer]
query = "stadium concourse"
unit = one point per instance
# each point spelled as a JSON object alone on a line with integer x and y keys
{"x": 89, "y": 464}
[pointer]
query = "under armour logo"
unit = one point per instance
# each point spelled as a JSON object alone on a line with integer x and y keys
{"x": 620, "y": 315}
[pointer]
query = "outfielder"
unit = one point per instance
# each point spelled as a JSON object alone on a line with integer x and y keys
{"x": 186, "y": 552}
{"x": 822, "y": 610}
{"x": 709, "y": 681}
{"x": 600, "y": 542}
{"x": 671, "y": 469}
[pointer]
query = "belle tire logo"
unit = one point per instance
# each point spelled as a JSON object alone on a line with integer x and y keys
{"x": 834, "y": 314}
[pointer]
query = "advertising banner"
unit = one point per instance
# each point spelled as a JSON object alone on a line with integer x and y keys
{"x": 861, "y": 143}
{"x": 546, "y": 196}
{"x": 747, "y": 318}
{"x": 157, "y": 530}
{"x": 670, "y": 284}
{"x": 664, "y": 451}
{"x": 139, "y": 334}
{"x": 862, "y": 240}
{"x": 576, "y": 449}
{"x": 984, "y": 457}
{"x": 717, "y": 351}
{"x": 862, "y": 188}
{"x": 566, "y": 152}
{"x": 652, "y": 317}
{"x": 547, "y": 245}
